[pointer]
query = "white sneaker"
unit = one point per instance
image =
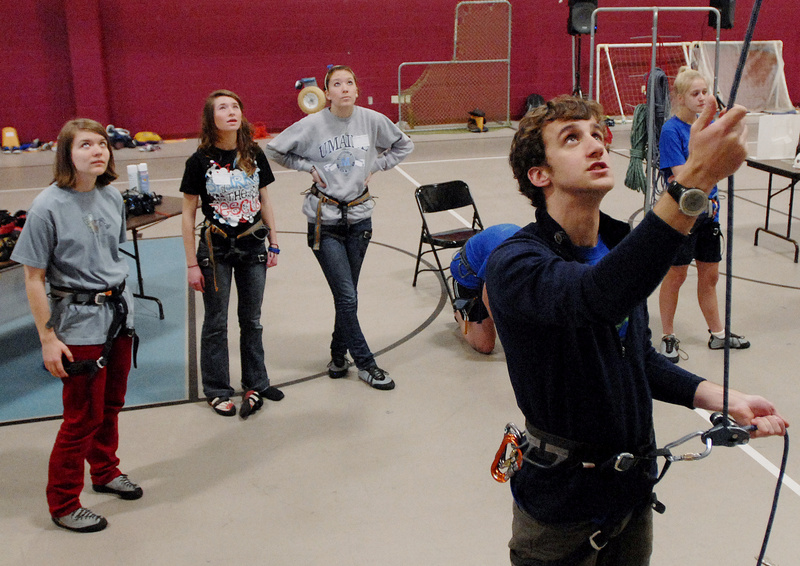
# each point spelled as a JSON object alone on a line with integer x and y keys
{"x": 669, "y": 348}
{"x": 376, "y": 378}
{"x": 81, "y": 520}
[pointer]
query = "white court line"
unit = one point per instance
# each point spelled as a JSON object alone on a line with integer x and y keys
{"x": 759, "y": 458}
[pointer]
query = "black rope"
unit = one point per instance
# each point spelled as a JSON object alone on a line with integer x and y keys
{"x": 748, "y": 37}
{"x": 729, "y": 280}
{"x": 775, "y": 500}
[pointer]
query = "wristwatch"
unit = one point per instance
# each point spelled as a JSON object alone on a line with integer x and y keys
{"x": 691, "y": 202}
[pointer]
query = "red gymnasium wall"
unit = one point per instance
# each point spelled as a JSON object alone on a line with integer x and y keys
{"x": 148, "y": 64}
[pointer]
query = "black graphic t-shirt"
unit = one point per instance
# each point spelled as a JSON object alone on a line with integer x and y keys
{"x": 230, "y": 197}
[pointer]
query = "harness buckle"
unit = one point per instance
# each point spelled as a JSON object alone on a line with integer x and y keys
{"x": 624, "y": 462}
{"x": 101, "y": 298}
{"x": 595, "y": 544}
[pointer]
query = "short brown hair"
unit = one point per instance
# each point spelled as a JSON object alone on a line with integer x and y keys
{"x": 527, "y": 147}
{"x": 65, "y": 175}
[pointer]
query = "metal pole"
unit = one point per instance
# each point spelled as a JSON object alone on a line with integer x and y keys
{"x": 651, "y": 119}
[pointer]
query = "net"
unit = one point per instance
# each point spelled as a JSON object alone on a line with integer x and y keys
{"x": 622, "y": 71}
{"x": 437, "y": 94}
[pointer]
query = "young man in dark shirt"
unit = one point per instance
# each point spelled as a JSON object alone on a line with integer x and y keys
{"x": 568, "y": 294}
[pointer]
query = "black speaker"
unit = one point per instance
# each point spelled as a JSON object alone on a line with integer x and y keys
{"x": 580, "y": 16}
{"x": 726, "y": 9}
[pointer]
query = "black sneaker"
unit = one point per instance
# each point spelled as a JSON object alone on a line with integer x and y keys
{"x": 81, "y": 521}
{"x": 338, "y": 366}
{"x": 121, "y": 486}
{"x": 251, "y": 402}
{"x": 376, "y": 378}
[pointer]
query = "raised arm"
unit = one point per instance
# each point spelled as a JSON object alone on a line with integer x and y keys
{"x": 716, "y": 150}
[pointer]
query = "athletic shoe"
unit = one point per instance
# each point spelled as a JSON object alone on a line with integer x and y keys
{"x": 251, "y": 402}
{"x": 223, "y": 406}
{"x": 376, "y": 378}
{"x": 272, "y": 393}
{"x": 337, "y": 368}
{"x": 737, "y": 342}
{"x": 669, "y": 348}
{"x": 122, "y": 486}
{"x": 81, "y": 521}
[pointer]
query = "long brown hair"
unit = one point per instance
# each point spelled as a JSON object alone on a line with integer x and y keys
{"x": 245, "y": 145}
{"x": 64, "y": 174}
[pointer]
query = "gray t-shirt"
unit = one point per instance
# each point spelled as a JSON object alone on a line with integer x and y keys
{"x": 75, "y": 237}
{"x": 344, "y": 152}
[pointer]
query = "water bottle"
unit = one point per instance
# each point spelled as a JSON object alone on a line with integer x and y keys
{"x": 133, "y": 178}
{"x": 144, "y": 178}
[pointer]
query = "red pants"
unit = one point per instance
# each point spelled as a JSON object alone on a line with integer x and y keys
{"x": 89, "y": 431}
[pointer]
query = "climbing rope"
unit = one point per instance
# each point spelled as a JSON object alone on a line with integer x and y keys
{"x": 729, "y": 284}
{"x": 635, "y": 179}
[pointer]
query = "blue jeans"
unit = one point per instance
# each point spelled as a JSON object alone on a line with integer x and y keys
{"x": 340, "y": 255}
{"x": 247, "y": 268}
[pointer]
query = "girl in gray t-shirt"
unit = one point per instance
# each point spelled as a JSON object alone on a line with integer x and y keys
{"x": 71, "y": 241}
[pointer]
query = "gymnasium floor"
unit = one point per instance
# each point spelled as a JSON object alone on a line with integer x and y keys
{"x": 344, "y": 475}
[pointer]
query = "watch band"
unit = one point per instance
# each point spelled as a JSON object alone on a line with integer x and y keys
{"x": 691, "y": 201}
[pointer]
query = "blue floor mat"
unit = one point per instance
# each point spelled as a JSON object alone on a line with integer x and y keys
{"x": 28, "y": 391}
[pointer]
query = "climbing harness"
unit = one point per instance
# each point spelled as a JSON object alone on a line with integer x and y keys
{"x": 112, "y": 297}
{"x": 548, "y": 451}
{"x": 341, "y": 205}
{"x": 212, "y": 234}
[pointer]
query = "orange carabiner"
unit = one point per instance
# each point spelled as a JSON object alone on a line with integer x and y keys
{"x": 508, "y": 459}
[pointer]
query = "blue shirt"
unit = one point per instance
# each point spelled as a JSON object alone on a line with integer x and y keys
{"x": 478, "y": 248}
{"x": 673, "y": 147}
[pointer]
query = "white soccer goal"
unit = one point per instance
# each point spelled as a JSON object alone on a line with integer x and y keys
{"x": 622, "y": 70}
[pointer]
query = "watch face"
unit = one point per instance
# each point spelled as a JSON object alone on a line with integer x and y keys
{"x": 694, "y": 201}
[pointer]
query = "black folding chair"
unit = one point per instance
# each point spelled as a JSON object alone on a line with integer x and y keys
{"x": 437, "y": 198}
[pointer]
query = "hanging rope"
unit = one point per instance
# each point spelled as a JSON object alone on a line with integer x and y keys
{"x": 658, "y": 93}
{"x": 659, "y": 89}
{"x": 729, "y": 280}
{"x": 635, "y": 179}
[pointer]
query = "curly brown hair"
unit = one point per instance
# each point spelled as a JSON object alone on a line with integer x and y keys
{"x": 527, "y": 147}
{"x": 246, "y": 146}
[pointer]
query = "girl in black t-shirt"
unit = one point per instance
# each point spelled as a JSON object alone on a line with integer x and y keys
{"x": 229, "y": 174}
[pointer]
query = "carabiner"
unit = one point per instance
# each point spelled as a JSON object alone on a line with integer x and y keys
{"x": 508, "y": 459}
{"x": 689, "y": 456}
